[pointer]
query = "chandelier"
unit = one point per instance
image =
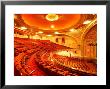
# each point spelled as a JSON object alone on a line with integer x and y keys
{"x": 52, "y": 17}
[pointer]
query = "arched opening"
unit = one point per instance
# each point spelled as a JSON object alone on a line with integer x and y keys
{"x": 90, "y": 43}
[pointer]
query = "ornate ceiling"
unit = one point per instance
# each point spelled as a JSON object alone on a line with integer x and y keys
{"x": 55, "y": 22}
{"x": 49, "y": 23}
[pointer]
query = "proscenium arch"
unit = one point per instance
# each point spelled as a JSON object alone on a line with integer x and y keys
{"x": 87, "y": 31}
{"x": 88, "y": 28}
{"x": 92, "y": 42}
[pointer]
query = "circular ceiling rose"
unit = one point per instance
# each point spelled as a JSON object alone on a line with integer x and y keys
{"x": 62, "y": 21}
{"x": 52, "y": 17}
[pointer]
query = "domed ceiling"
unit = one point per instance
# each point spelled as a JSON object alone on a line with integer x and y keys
{"x": 51, "y": 21}
{"x": 54, "y": 24}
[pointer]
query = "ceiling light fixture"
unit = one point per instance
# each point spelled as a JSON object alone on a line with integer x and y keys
{"x": 49, "y": 35}
{"x": 23, "y": 28}
{"x": 52, "y": 26}
{"x": 72, "y": 30}
{"x": 87, "y": 22}
{"x": 40, "y": 32}
{"x": 51, "y": 17}
{"x": 56, "y": 33}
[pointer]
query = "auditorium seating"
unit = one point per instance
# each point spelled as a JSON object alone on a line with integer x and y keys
{"x": 32, "y": 58}
{"x": 76, "y": 63}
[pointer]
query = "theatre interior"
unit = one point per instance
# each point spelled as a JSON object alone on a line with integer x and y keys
{"x": 55, "y": 44}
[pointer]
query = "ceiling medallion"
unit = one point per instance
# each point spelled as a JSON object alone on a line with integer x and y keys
{"x": 52, "y": 17}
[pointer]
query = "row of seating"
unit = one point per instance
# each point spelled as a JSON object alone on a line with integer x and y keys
{"x": 76, "y": 63}
{"x": 32, "y": 58}
{"x": 24, "y": 49}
